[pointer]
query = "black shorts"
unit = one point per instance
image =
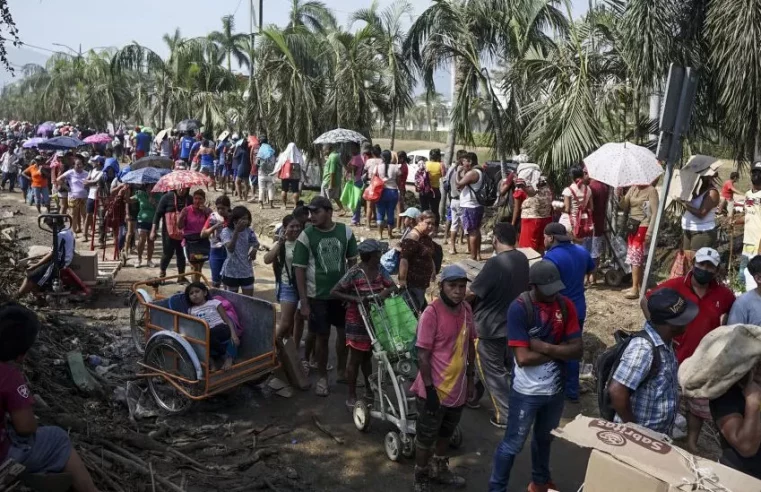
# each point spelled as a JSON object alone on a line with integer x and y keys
{"x": 90, "y": 206}
{"x": 145, "y": 226}
{"x": 236, "y": 283}
{"x": 324, "y": 313}
{"x": 291, "y": 185}
{"x": 41, "y": 274}
{"x": 430, "y": 428}
{"x": 133, "y": 210}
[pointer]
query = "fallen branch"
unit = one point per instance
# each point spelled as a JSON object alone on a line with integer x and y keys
{"x": 90, "y": 461}
{"x": 258, "y": 456}
{"x": 326, "y": 431}
{"x": 141, "y": 469}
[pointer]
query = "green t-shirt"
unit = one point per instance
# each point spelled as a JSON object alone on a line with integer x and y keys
{"x": 323, "y": 254}
{"x": 332, "y": 166}
{"x": 147, "y": 209}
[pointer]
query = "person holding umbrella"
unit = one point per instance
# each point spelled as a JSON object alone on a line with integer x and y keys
{"x": 191, "y": 221}
{"x": 169, "y": 208}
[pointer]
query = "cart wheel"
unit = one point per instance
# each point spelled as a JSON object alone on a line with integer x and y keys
{"x": 456, "y": 440}
{"x": 137, "y": 315}
{"x": 361, "y": 416}
{"x": 614, "y": 277}
{"x": 166, "y": 355}
{"x": 408, "y": 446}
{"x": 393, "y": 445}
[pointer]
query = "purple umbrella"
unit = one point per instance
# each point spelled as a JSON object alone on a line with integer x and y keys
{"x": 33, "y": 142}
{"x": 45, "y": 128}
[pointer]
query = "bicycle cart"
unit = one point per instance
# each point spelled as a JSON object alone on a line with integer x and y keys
{"x": 175, "y": 345}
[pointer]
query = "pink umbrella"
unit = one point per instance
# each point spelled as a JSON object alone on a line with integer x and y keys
{"x": 177, "y": 180}
{"x": 99, "y": 138}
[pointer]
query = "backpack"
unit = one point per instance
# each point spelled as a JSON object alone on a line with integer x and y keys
{"x": 423, "y": 181}
{"x": 230, "y": 310}
{"x": 531, "y": 316}
{"x": 486, "y": 195}
{"x": 608, "y": 362}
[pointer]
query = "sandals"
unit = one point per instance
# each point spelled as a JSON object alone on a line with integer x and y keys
{"x": 322, "y": 388}
{"x": 631, "y": 295}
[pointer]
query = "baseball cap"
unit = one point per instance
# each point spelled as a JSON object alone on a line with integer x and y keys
{"x": 546, "y": 277}
{"x": 708, "y": 254}
{"x": 320, "y": 202}
{"x": 370, "y": 246}
{"x": 453, "y": 272}
{"x": 557, "y": 231}
{"x": 667, "y": 306}
{"x": 412, "y": 213}
{"x": 756, "y": 166}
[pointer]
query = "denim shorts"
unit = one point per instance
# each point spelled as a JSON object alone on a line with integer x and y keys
{"x": 47, "y": 450}
{"x": 287, "y": 293}
{"x": 41, "y": 195}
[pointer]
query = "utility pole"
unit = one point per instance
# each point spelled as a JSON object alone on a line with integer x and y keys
{"x": 252, "y": 90}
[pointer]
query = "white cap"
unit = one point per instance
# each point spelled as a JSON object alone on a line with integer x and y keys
{"x": 708, "y": 254}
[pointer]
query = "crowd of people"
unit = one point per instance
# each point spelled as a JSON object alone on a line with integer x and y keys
{"x": 514, "y": 332}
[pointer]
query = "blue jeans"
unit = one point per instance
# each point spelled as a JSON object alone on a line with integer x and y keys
{"x": 386, "y": 206}
{"x": 217, "y": 257}
{"x": 544, "y": 412}
{"x": 572, "y": 374}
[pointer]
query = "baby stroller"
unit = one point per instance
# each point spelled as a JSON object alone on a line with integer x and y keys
{"x": 392, "y": 327}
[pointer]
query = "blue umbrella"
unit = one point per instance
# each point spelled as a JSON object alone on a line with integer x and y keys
{"x": 145, "y": 175}
{"x": 61, "y": 143}
{"x": 33, "y": 142}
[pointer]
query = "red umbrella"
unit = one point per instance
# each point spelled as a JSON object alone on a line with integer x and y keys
{"x": 177, "y": 180}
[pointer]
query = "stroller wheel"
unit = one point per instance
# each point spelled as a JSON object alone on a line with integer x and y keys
{"x": 614, "y": 277}
{"x": 393, "y": 445}
{"x": 361, "y": 416}
{"x": 456, "y": 440}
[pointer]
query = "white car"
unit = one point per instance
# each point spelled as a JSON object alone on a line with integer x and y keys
{"x": 412, "y": 158}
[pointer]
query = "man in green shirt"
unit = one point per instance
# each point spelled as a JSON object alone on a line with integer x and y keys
{"x": 331, "y": 175}
{"x": 321, "y": 256}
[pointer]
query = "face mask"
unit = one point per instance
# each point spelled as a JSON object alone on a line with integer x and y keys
{"x": 446, "y": 300}
{"x": 701, "y": 276}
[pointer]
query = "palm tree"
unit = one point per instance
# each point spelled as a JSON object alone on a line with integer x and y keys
{"x": 232, "y": 44}
{"x": 388, "y": 38}
{"x": 313, "y": 15}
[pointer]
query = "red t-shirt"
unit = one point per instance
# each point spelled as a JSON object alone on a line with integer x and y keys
{"x": 726, "y": 190}
{"x": 716, "y": 303}
{"x": 14, "y": 395}
{"x": 600, "y": 192}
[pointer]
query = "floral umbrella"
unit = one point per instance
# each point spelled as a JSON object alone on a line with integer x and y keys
{"x": 623, "y": 164}
{"x": 99, "y": 138}
{"x": 340, "y": 135}
{"x": 177, "y": 180}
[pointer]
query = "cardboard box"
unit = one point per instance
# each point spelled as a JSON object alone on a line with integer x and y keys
{"x": 628, "y": 458}
{"x": 85, "y": 265}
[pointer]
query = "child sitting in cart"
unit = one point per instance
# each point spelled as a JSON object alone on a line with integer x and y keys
{"x": 362, "y": 280}
{"x": 41, "y": 272}
{"x": 223, "y": 337}
{"x": 39, "y": 449}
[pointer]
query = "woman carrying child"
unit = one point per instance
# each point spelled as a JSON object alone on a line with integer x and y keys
{"x": 362, "y": 280}
{"x": 222, "y": 330}
{"x": 242, "y": 245}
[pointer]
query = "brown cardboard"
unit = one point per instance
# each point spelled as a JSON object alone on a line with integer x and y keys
{"x": 289, "y": 357}
{"x": 85, "y": 265}
{"x": 634, "y": 454}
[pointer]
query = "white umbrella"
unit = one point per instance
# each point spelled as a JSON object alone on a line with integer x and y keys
{"x": 623, "y": 164}
{"x": 340, "y": 135}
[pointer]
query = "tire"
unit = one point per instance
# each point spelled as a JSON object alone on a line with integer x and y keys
{"x": 393, "y": 445}
{"x": 455, "y": 442}
{"x": 137, "y": 315}
{"x": 361, "y": 415}
{"x": 614, "y": 277}
{"x": 165, "y": 354}
{"x": 408, "y": 446}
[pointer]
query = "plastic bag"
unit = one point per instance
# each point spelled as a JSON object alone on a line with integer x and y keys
{"x": 390, "y": 261}
{"x": 395, "y": 325}
{"x": 350, "y": 196}
{"x": 374, "y": 190}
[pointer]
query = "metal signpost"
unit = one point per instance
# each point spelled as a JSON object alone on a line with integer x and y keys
{"x": 675, "y": 123}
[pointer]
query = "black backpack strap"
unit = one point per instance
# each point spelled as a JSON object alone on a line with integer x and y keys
{"x": 529, "y": 306}
{"x": 656, "y": 358}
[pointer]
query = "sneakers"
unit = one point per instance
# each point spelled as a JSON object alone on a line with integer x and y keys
{"x": 422, "y": 482}
{"x": 534, "y": 487}
{"x": 497, "y": 424}
{"x": 440, "y": 473}
{"x": 151, "y": 264}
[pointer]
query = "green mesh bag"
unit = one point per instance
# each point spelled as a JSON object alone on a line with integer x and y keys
{"x": 397, "y": 316}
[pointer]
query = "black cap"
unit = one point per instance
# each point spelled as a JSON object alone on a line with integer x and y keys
{"x": 557, "y": 231}
{"x": 546, "y": 277}
{"x": 320, "y": 202}
{"x": 666, "y": 306}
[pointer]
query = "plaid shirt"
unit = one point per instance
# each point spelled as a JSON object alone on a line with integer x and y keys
{"x": 654, "y": 403}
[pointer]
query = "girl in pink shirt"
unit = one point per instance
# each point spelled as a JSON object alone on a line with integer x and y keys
{"x": 191, "y": 221}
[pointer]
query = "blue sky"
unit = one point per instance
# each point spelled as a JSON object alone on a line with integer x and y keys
{"x": 100, "y": 23}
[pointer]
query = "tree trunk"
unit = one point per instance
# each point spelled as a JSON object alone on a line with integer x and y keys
{"x": 451, "y": 136}
{"x": 393, "y": 128}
